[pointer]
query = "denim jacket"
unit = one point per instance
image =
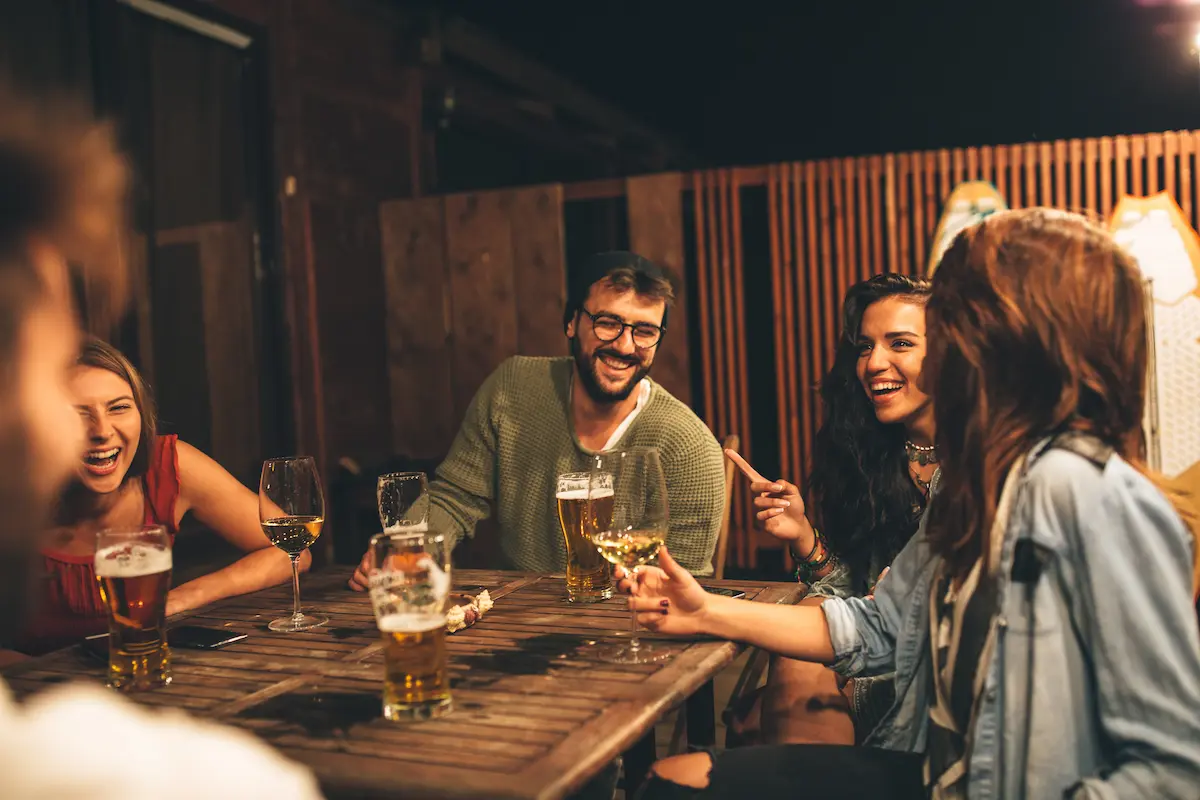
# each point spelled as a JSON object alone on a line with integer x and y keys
{"x": 1108, "y": 650}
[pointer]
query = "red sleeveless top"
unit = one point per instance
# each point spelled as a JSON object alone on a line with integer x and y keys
{"x": 70, "y": 607}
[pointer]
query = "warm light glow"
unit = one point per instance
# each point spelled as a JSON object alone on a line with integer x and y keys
{"x": 1196, "y": 40}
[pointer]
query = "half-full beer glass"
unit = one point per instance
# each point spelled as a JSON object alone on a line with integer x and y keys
{"x": 409, "y": 579}
{"x": 589, "y": 576}
{"x": 133, "y": 567}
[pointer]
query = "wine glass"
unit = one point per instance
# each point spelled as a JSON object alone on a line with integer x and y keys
{"x": 631, "y": 483}
{"x": 291, "y": 508}
{"x": 403, "y": 501}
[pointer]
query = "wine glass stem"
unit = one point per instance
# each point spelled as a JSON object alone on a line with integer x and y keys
{"x": 296, "y": 588}
{"x": 634, "y": 644}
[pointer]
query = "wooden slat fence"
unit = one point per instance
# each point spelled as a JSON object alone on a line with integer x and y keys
{"x": 834, "y": 222}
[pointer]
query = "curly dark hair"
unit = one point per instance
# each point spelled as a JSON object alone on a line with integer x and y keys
{"x": 859, "y": 493}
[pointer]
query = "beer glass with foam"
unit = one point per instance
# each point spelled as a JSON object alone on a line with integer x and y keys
{"x": 589, "y": 577}
{"x": 133, "y": 567}
{"x": 409, "y": 580}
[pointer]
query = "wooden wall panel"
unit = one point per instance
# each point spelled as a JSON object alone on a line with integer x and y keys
{"x": 889, "y": 193}
{"x": 782, "y": 267}
{"x": 903, "y": 263}
{"x": 419, "y": 324}
{"x": 1154, "y": 152}
{"x": 484, "y": 312}
{"x": 226, "y": 269}
{"x": 347, "y": 291}
{"x": 227, "y": 254}
{"x": 722, "y": 311}
{"x": 1186, "y": 187}
{"x": 801, "y": 320}
{"x": 1091, "y": 173}
{"x": 703, "y": 217}
{"x": 655, "y": 209}
{"x": 539, "y": 264}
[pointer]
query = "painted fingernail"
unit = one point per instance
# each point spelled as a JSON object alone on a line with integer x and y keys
{"x": 664, "y": 602}
{"x": 665, "y": 611}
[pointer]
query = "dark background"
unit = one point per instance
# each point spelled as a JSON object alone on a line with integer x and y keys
{"x": 756, "y": 82}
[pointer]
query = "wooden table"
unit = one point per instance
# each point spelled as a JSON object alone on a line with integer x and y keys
{"x": 535, "y": 716}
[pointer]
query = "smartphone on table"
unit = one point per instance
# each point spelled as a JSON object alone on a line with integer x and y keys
{"x": 190, "y": 637}
{"x": 734, "y": 593}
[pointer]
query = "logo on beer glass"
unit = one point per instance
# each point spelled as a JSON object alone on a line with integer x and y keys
{"x": 409, "y": 583}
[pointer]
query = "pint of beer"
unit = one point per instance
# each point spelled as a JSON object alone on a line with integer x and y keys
{"x": 134, "y": 570}
{"x": 409, "y": 578}
{"x": 589, "y": 577}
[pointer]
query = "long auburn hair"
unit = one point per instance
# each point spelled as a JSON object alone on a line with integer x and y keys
{"x": 1036, "y": 325}
{"x": 860, "y": 494}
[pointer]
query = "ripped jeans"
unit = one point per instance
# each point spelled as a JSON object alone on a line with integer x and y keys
{"x": 829, "y": 772}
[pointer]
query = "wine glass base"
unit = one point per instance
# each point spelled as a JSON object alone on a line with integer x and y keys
{"x": 300, "y": 622}
{"x": 625, "y": 654}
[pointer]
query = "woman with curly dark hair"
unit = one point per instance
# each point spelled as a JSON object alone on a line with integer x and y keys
{"x": 873, "y": 461}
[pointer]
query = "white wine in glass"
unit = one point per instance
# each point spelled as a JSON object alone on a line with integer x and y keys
{"x": 632, "y": 482}
{"x": 291, "y": 507}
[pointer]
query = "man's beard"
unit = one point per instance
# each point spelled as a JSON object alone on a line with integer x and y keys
{"x": 588, "y": 373}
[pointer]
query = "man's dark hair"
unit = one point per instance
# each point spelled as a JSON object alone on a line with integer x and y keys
{"x": 621, "y": 270}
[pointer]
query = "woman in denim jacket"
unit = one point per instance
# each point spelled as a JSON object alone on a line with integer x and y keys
{"x": 1041, "y": 622}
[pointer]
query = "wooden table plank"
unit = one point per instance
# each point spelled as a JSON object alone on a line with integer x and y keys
{"x": 536, "y": 714}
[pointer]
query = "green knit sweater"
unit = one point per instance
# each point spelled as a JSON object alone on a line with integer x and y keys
{"x": 518, "y": 437}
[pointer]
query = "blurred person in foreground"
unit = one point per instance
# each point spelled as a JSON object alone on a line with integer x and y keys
{"x": 1041, "y": 621}
{"x": 62, "y": 192}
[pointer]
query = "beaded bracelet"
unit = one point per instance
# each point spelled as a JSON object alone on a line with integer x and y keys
{"x": 806, "y": 574}
{"x": 806, "y": 567}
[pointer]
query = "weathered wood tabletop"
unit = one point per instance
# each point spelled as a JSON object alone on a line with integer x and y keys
{"x": 535, "y": 714}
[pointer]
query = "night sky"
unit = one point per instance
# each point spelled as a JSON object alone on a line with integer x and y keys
{"x": 752, "y": 82}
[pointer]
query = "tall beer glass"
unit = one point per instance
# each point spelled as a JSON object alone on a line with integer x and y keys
{"x": 589, "y": 576}
{"x": 409, "y": 577}
{"x": 133, "y": 567}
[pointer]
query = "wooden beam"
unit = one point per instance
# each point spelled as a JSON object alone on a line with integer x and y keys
{"x": 474, "y": 102}
{"x": 471, "y": 43}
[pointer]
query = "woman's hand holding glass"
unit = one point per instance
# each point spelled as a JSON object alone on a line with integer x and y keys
{"x": 667, "y": 598}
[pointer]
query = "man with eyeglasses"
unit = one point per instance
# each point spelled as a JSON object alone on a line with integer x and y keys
{"x": 536, "y": 418}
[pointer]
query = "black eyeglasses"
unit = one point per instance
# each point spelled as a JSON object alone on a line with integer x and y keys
{"x": 609, "y": 328}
